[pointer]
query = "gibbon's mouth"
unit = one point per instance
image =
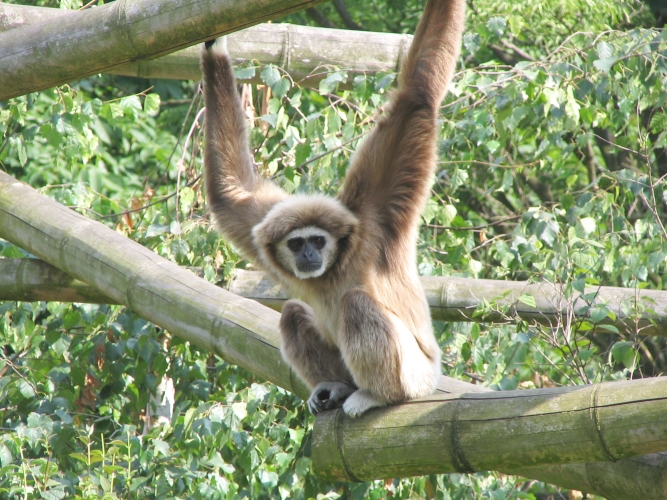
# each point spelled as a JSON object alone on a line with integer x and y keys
{"x": 309, "y": 267}
{"x": 314, "y": 273}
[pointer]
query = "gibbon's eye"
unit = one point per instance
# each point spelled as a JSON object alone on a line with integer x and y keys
{"x": 295, "y": 244}
{"x": 318, "y": 241}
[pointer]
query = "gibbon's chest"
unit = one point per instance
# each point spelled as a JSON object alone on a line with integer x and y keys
{"x": 328, "y": 317}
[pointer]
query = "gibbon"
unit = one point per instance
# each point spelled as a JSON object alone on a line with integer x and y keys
{"x": 362, "y": 336}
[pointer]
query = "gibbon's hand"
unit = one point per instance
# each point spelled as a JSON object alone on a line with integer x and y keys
{"x": 329, "y": 396}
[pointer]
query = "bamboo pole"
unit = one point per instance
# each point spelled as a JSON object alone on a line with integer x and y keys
{"x": 302, "y": 51}
{"x": 495, "y": 431}
{"x": 82, "y": 43}
{"x": 450, "y": 298}
{"x": 239, "y": 330}
{"x": 457, "y": 299}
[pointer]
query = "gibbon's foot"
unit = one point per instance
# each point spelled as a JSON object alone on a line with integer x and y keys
{"x": 328, "y": 396}
{"x": 360, "y": 402}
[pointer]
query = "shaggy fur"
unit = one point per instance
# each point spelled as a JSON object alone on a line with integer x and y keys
{"x": 363, "y": 336}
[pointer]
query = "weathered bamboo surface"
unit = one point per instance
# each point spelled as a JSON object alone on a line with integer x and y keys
{"x": 82, "y": 43}
{"x": 495, "y": 431}
{"x": 457, "y": 299}
{"x": 239, "y": 330}
{"x": 450, "y": 298}
{"x": 31, "y": 280}
{"x": 306, "y": 53}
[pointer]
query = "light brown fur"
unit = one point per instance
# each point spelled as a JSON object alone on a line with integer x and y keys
{"x": 365, "y": 323}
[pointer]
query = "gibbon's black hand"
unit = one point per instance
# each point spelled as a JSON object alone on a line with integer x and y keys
{"x": 329, "y": 396}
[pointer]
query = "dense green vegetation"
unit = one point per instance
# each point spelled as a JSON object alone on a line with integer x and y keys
{"x": 553, "y": 159}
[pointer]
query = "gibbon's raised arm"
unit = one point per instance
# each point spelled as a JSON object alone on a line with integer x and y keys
{"x": 392, "y": 169}
{"x": 237, "y": 196}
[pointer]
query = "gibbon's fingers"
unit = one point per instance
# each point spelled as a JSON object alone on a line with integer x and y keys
{"x": 329, "y": 396}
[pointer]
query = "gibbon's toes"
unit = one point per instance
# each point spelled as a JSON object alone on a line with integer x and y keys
{"x": 328, "y": 396}
{"x": 359, "y": 403}
{"x": 218, "y": 45}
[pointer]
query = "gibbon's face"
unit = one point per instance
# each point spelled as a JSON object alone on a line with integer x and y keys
{"x": 308, "y": 252}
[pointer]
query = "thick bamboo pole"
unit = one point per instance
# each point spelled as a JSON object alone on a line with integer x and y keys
{"x": 450, "y": 298}
{"x": 83, "y": 43}
{"x": 239, "y": 330}
{"x": 602, "y": 422}
{"x": 302, "y": 51}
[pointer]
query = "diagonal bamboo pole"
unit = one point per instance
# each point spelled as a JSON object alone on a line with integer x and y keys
{"x": 450, "y": 298}
{"x": 83, "y": 43}
{"x": 302, "y": 51}
{"x": 241, "y": 330}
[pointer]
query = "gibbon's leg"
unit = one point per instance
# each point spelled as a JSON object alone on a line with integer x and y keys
{"x": 383, "y": 356}
{"x": 318, "y": 363}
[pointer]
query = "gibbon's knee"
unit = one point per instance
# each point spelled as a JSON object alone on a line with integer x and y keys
{"x": 303, "y": 347}
{"x": 382, "y": 353}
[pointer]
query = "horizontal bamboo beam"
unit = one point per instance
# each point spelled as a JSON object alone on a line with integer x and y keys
{"x": 82, "y": 43}
{"x": 31, "y": 280}
{"x": 302, "y": 51}
{"x": 495, "y": 431}
{"x": 237, "y": 329}
{"x": 450, "y": 299}
{"x": 457, "y": 299}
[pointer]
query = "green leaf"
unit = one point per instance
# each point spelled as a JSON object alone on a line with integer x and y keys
{"x": 527, "y": 299}
{"x": 245, "y": 72}
{"x": 26, "y": 389}
{"x": 281, "y": 87}
{"x": 152, "y": 104}
{"x": 329, "y": 84}
{"x": 466, "y": 351}
{"x": 22, "y": 151}
{"x": 5, "y": 455}
{"x": 588, "y": 225}
{"x": 624, "y": 352}
{"x": 270, "y": 75}
{"x": 605, "y": 64}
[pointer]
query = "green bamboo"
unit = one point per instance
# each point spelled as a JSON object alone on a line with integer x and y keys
{"x": 82, "y": 43}
{"x": 497, "y": 431}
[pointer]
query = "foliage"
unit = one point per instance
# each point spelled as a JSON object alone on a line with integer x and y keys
{"x": 552, "y": 169}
